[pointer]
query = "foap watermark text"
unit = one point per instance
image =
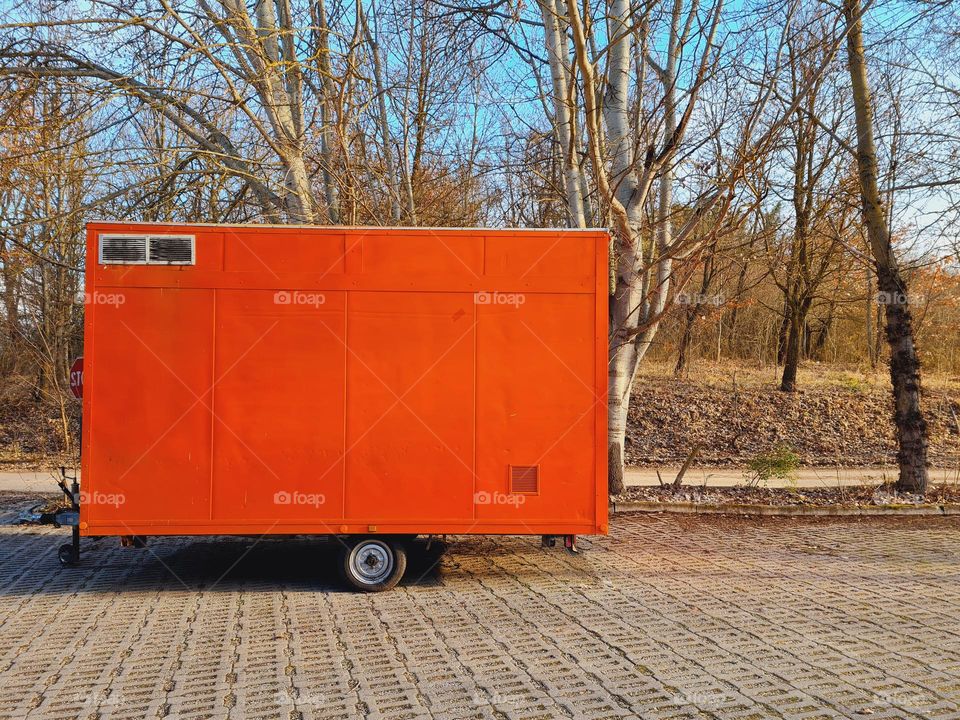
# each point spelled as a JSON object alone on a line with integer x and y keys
{"x": 102, "y": 498}
{"x": 104, "y": 298}
{"x": 685, "y": 298}
{"x": 295, "y": 497}
{"x": 296, "y": 297}
{"x": 498, "y": 498}
{"x": 896, "y": 298}
{"x": 499, "y": 298}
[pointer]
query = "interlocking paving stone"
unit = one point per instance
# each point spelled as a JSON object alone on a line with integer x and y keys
{"x": 668, "y": 617}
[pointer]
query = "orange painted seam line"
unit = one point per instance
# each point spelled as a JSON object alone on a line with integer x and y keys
{"x": 333, "y": 528}
{"x": 346, "y": 392}
{"x": 210, "y": 279}
{"x": 86, "y": 422}
{"x": 476, "y": 409}
{"x": 213, "y": 405}
{"x": 601, "y": 366}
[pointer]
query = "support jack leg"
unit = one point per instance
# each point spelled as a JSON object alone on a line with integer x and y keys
{"x": 69, "y": 553}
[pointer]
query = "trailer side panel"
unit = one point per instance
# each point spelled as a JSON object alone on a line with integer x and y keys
{"x": 345, "y": 380}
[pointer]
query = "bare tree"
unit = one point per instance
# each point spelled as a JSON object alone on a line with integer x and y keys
{"x": 904, "y": 363}
{"x": 707, "y": 137}
{"x": 565, "y": 110}
{"x": 635, "y": 139}
{"x": 641, "y": 274}
{"x": 816, "y": 166}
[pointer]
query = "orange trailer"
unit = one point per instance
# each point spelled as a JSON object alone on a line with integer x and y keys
{"x": 368, "y": 383}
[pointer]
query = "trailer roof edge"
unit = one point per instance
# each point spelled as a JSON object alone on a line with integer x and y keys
{"x": 347, "y": 227}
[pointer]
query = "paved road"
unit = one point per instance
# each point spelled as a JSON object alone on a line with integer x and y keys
{"x": 36, "y": 482}
{"x": 713, "y": 477}
{"x": 668, "y": 617}
{"x": 807, "y": 477}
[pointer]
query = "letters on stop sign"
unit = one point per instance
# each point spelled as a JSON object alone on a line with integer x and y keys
{"x": 76, "y": 378}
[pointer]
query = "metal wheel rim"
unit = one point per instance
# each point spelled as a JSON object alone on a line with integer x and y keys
{"x": 371, "y": 562}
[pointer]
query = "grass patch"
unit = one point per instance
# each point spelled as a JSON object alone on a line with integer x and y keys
{"x": 781, "y": 462}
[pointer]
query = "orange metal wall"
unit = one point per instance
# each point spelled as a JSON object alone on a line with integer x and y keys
{"x": 315, "y": 380}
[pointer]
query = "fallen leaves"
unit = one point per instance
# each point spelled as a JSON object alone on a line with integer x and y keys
{"x": 824, "y": 425}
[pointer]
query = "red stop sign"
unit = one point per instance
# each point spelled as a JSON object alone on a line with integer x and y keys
{"x": 76, "y": 378}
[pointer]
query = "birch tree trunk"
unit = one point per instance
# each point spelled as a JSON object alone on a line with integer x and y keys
{"x": 634, "y": 300}
{"x": 664, "y": 234}
{"x": 331, "y": 195}
{"x": 624, "y": 185}
{"x": 388, "y": 165}
{"x": 407, "y": 166}
{"x": 564, "y": 111}
{"x": 904, "y": 364}
{"x": 277, "y": 80}
{"x": 627, "y": 196}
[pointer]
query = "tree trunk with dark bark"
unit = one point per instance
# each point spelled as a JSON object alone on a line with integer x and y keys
{"x": 685, "y": 340}
{"x": 799, "y": 309}
{"x": 784, "y": 333}
{"x": 904, "y": 363}
{"x": 791, "y": 352}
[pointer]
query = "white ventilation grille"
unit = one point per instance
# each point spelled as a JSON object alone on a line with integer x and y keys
{"x": 147, "y": 250}
{"x": 123, "y": 249}
{"x": 170, "y": 250}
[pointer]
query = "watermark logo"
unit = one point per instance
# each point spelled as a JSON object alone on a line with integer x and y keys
{"x": 100, "y": 498}
{"x": 294, "y": 297}
{"x": 104, "y": 298}
{"x": 478, "y": 698}
{"x": 498, "y": 498}
{"x": 909, "y": 700}
{"x": 499, "y": 298}
{"x": 895, "y": 298}
{"x": 685, "y": 298}
{"x": 705, "y": 700}
{"x": 296, "y": 699}
{"x": 496, "y": 699}
{"x": 102, "y": 698}
{"x": 283, "y": 497}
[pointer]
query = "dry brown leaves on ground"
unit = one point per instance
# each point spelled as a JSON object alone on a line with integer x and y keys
{"x": 857, "y": 496}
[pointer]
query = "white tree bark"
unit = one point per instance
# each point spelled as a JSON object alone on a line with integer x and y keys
{"x": 277, "y": 81}
{"x": 330, "y": 189}
{"x": 657, "y": 300}
{"x": 391, "y": 180}
{"x": 407, "y": 164}
{"x": 564, "y": 111}
{"x": 624, "y": 183}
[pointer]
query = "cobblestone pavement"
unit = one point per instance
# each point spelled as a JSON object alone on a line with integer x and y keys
{"x": 668, "y": 617}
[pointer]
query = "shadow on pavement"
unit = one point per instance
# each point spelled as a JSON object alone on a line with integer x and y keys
{"x": 29, "y": 565}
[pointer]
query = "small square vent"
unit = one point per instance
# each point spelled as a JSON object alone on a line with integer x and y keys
{"x": 123, "y": 249}
{"x": 525, "y": 479}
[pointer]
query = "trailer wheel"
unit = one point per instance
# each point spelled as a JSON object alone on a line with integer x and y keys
{"x": 373, "y": 564}
{"x": 67, "y": 555}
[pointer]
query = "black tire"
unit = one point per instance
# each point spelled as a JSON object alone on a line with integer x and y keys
{"x": 373, "y": 564}
{"x": 67, "y": 556}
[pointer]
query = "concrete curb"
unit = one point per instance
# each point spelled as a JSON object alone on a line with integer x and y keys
{"x": 692, "y": 508}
